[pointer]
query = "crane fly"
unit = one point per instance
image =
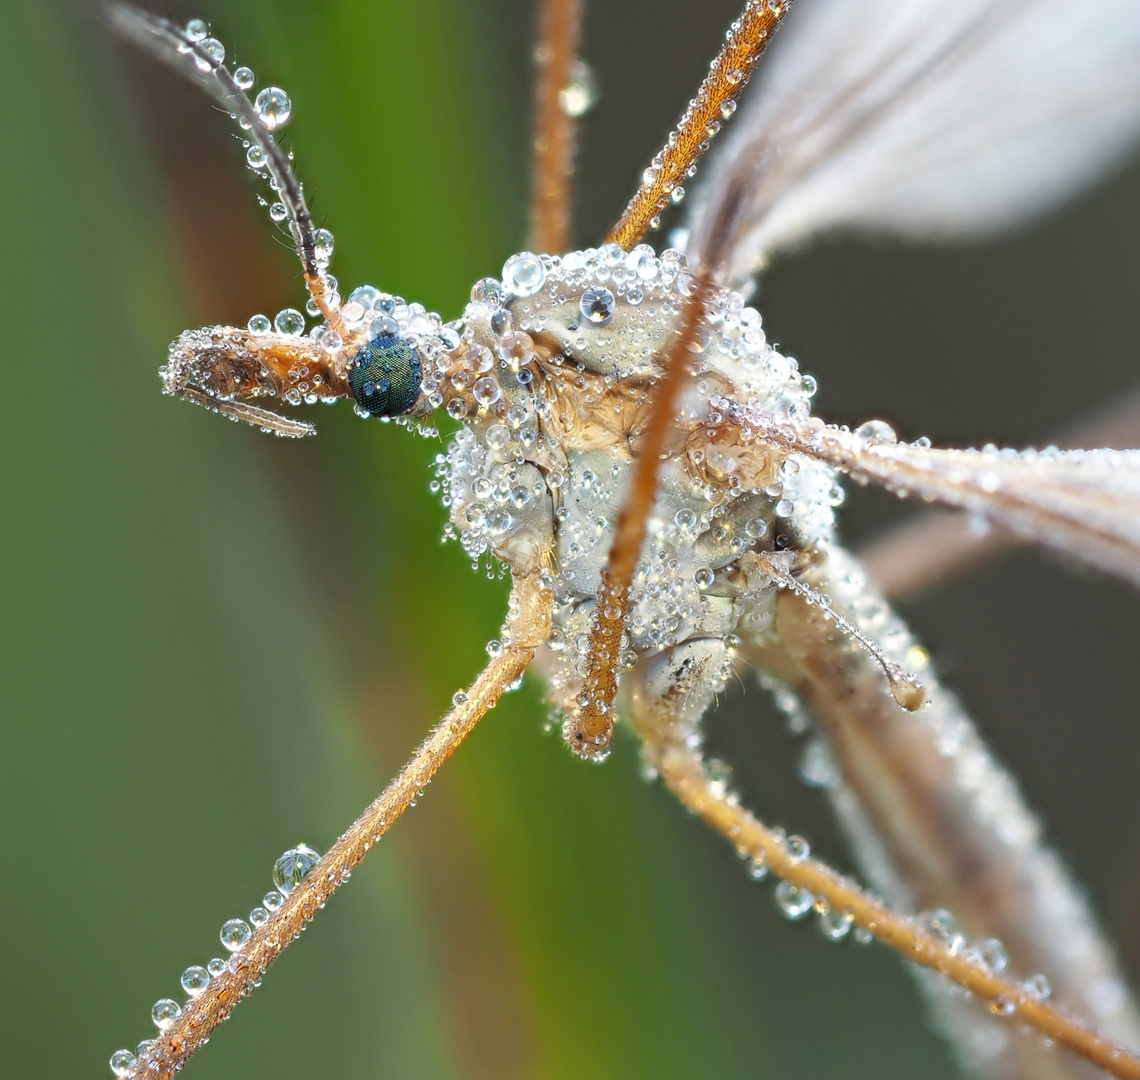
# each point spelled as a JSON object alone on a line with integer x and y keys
{"x": 648, "y": 468}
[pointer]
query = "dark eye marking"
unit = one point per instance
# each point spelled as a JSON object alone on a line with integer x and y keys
{"x": 385, "y": 376}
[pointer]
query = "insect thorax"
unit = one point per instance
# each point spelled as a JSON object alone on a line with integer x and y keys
{"x": 553, "y": 383}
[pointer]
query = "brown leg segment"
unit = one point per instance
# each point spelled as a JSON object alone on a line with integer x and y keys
{"x": 552, "y": 197}
{"x": 530, "y": 623}
{"x": 748, "y": 37}
{"x": 683, "y": 771}
{"x": 590, "y": 730}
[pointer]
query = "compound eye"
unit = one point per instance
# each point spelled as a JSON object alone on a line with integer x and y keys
{"x": 385, "y": 376}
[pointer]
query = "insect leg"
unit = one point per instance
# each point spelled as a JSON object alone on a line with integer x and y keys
{"x": 529, "y": 621}
{"x": 589, "y": 730}
{"x": 197, "y": 59}
{"x": 664, "y": 697}
{"x": 714, "y": 102}
{"x": 937, "y": 546}
{"x": 555, "y": 123}
{"x": 937, "y": 823}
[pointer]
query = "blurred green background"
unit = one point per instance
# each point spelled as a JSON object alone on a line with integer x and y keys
{"x": 216, "y": 644}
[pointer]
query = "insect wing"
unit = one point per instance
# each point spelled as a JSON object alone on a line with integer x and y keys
{"x": 924, "y": 119}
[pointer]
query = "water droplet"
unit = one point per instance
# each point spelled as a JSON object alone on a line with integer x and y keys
{"x": 165, "y": 1012}
{"x": 835, "y": 925}
{"x": 292, "y": 867}
{"x": 756, "y": 528}
{"x": 274, "y": 107}
{"x": 214, "y": 49}
{"x": 875, "y": 431}
{"x": 794, "y": 901}
{"x": 235, "y": 933}
{"x": 256, "y": 158}
{"x": 728, "y": 108}
{"x": 323, "y": 246}
{"x": 497, "y": 436}
{"x": 459, "y": 698}
{"x": 685, "y": 519}
{"x": 523, "y": 274}
{"x": 244, "y": 78}
{"x": 580, "y": 94}
{"x": 758, "y": 867}
{"x": 704, "y": 577}
{"x": 259, "y": 324}
{"x": 195, "y": 980}
{"x": 196, "y": 29}
{"x": 278, "y": 212}
{"x": 1002, "y": 1005}
{"x": 457, "y": 408}
{"x": 216, "y": 967}
{"x": 258, "y": 917}
{"x": 797, "y": 848}
{"x": 1038, "y": 986}
{"x": 289, "y": 321}
{"x": 597, "y": 305}
{"x": 122, "y": 1061}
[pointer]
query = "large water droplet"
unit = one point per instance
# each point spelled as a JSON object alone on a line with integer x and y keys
{"x": 292, "y": 867}
{"x": 122, "y": 1061}
{"x": 274, "y": 107}
{"x": 289, "y": 321}
{"x": 523, "y": 274}
{"x": 244, "y": 78}
{"x": 165, "y": 1012}
{"x": 580, "y": 94}
{"x": 793, "y": 901}
{"x": 195, "y": 980}
{"x": 235, "y": 933}
{"x": 597, "y": 305}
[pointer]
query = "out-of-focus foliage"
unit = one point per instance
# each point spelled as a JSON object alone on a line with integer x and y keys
{"x": 215, "y": 645}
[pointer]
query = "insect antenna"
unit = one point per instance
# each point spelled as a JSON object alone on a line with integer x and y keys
{"x": 201, "y": 59}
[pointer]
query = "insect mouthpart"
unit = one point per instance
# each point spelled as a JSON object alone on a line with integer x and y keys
{"x": 385, "y": 376}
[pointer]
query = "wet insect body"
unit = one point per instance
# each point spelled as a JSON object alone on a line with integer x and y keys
{"x": 552, "y": 372}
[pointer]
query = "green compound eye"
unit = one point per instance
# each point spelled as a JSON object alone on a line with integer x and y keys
{"x": 385, "y": 377}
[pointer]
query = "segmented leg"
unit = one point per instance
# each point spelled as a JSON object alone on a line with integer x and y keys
{"x": 590, "y": 729}
{"x": 555, "y": 125}
{"x": 194, "y": 58}
{"x": 667, "y": 694}
{"x": 924, "y": 792}
{"x": 530, "y": 610}
{"x": 714, "y": 102}
{"x": 939, "y": 545}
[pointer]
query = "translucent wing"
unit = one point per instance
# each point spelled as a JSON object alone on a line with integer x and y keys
{"x": 924, "y": 118}
{"x": 1082, "y": 503}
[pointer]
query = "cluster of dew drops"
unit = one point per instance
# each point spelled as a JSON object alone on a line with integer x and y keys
{"x": 235, "y": 934}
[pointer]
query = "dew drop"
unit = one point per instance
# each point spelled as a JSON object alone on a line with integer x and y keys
{"x": 292, "y": 867}
{"x": 272, "y": 900}
{"x": 1002, "y": 1005}
{"x": 122, "y": 1061}
{"x": 580, "y": 94}
{"x": 875, "y": 431}
{"x": 235, "y": 933}
{"x": 835, "y": 925}
{"x": 196, "y": 29}
{"x": 797, "y": 848}
{"x": 214, "y": 49}
{"x": 244, "y": 78}
{"x": 258, "y": 917}
{"x": 256, "y": 158}
{"x": 195, "y": 980}
{"x": 259, "y": 324}
{"x": 289, "y": 321}
{"x": 704, "y": 577}
{"x": 597, "y": 305}
{"x": 278, "y": 212}
{"x": 216, "y": 967}
{"x": 794, "y": 901}
{"x": 165, "y": 1012}
{"x": 1038, "y": 986}
{"x": 523, "y": 274}
{"x": 273, "y": 107}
